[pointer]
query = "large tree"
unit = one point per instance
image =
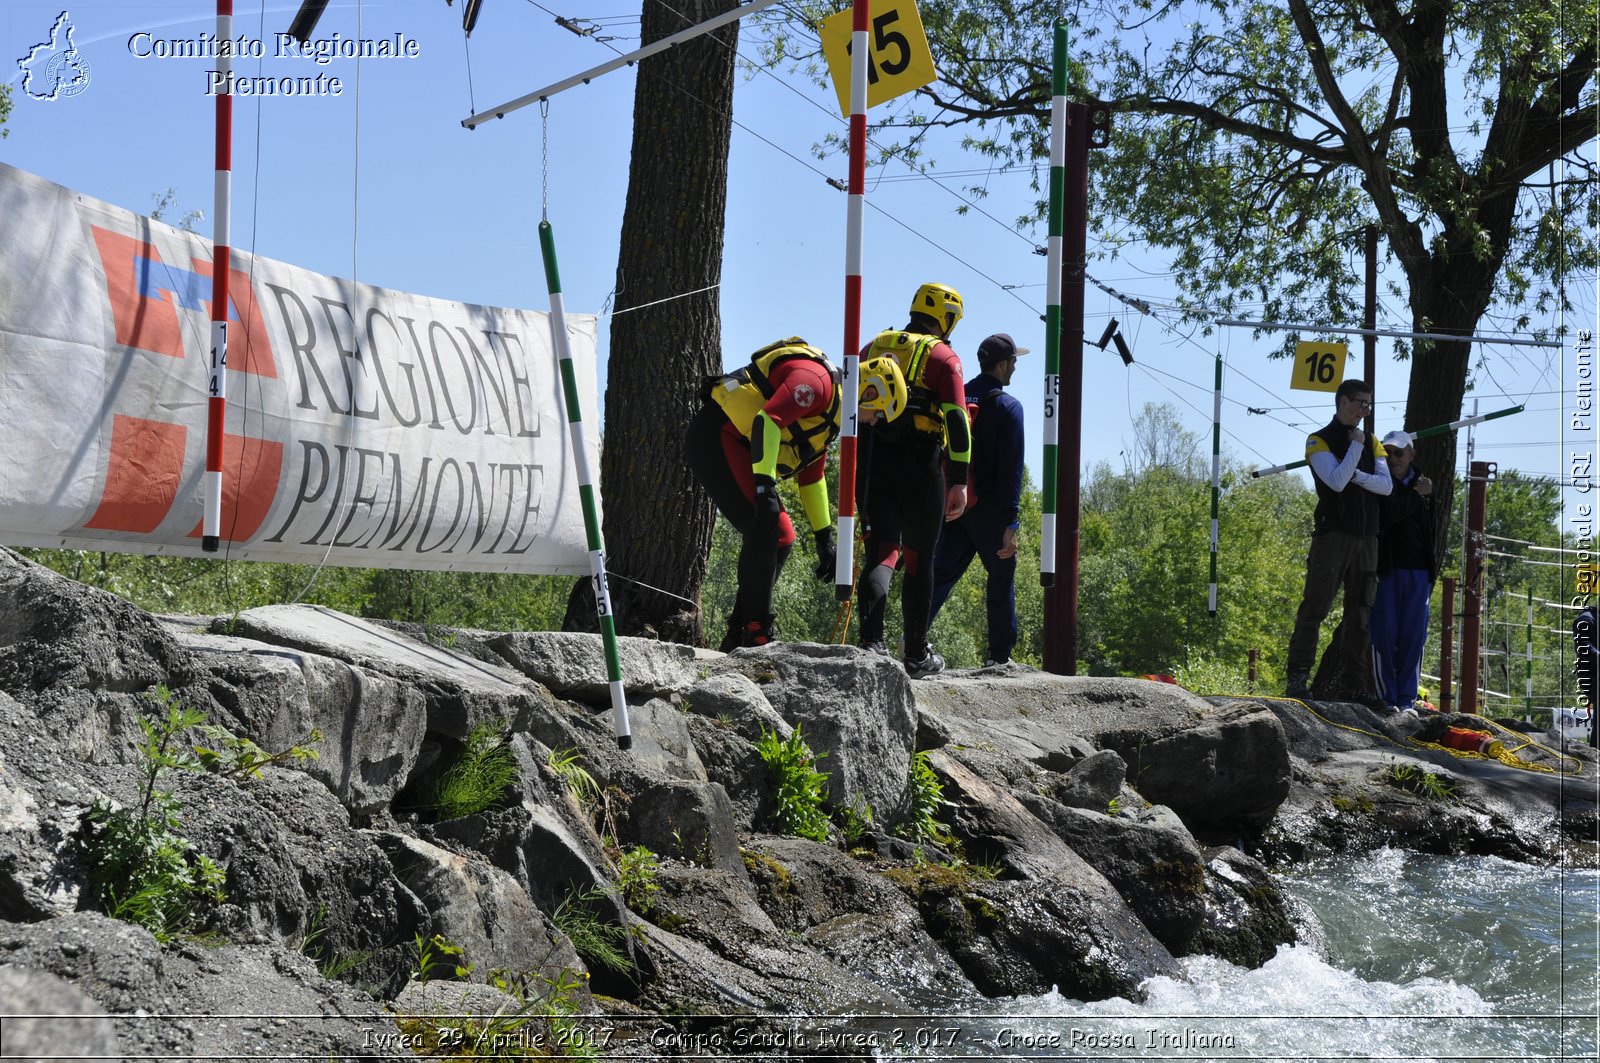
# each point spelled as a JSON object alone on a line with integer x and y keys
{"x": 1253, "y": 142}
{"x": 667, "y": 327}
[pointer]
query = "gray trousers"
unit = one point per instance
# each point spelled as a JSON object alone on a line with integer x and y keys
{"x": 1337, "y": 559}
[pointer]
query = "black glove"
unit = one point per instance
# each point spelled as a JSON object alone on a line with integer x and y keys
{"x": 767, "y": 506}
{"x": 826, "y": 555}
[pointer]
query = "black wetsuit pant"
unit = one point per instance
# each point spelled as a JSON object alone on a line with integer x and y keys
{"x": 904, "y": 507}
{"x": 761, "y": 553}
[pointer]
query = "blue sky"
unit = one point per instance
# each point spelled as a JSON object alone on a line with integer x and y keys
{"x": 382, "y": 183}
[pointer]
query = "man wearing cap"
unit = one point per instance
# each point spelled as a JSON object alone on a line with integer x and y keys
{"x": 1406, "y": 571}
{"x": 1349, "y": 472}
{"x": 988, "y": 528}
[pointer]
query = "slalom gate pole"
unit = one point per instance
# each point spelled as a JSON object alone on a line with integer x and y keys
{"x": 221, "y": 260}
{"x": 844, "y": 584}
{"x": 586, "y": 490}
{"x": 1052, "y": 310}
{"x": 1527, "y": 693}
{"x": 1438, "y": 429}
{"x": 1216, "y": 480}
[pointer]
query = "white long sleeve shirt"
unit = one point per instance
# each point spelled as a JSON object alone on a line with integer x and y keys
{"x": 1340, "y": 474}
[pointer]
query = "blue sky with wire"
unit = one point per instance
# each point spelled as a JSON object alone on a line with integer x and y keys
{"x": 383, "y": 184}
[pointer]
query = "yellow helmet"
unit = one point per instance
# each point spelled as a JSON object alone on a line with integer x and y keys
{"x": 940, "y": 302}
{"x": 883, "y": 386}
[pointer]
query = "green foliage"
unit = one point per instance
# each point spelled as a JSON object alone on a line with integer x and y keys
{"x": 5, "y": 110}
{"x": 568, "y": 766}
{"x": 854, "y": 820}
{"x": 1114, "y": 807}
{"x": 596, "y": 939}
{"x": 436, "y": 955}
{"x": 140, "y": 868}
{"x": 1424, "y": 784}
{"x": 240, "y": 759}
{"x": 927, "y": 798}
{"x": 636, "y": 878}
{"x": 480, "y": 776}
{"x": 799, "y": 787}
{"x": 331, "y": 966}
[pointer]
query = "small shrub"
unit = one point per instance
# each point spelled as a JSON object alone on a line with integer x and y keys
{"x": 141, "y": 869}
{"x": 854, "y": 820}
{"x": 436, "y": 955}
{"x": 799, "y": 786}
{"x": 481, "y": 775}
{"x": 240, "y": 759}
{"x": 636, "y": 878}
{"x": 927, "y": 798}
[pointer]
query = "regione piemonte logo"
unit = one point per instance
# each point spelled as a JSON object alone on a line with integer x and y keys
{"x": 54, "y": 68}
{"x": 150, "y": 300}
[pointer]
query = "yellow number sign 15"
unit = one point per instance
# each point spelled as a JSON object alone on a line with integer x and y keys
{"x": 1318, "y": 365}
{"x": 898, "y": 62}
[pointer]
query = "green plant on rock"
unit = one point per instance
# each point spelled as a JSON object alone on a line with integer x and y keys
{"x": 854, "y": 820}
{"x": 927, "y": 799}
{"x": 141, "y": 869}
{"x": 480, "y": 777}
{"x": 436, "y": 955}
{"x": 596, "y": 939}
{"x": 1424, "y": 784}
{"x": 798, "y": 785}
{"x": 240, "y": 759}
{"x": 636, "y": 878}
{"x": 569, "y": 768}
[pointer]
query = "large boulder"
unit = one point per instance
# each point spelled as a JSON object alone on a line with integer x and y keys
{"x": 46, "y": 1017}
{"x": 459, "y": 691}
{"x": 1223, "y": 770}
{"x": 1246, "y": 914}
{"x": 572, "y": 664}
{"x": 854, "y": 710}
{"x": 371, "y": 724}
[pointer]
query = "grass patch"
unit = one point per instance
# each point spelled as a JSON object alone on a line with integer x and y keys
{"x": 597, "y": 940}
{"x": 480, "y": 777}
{"x": 1425, "y": 784}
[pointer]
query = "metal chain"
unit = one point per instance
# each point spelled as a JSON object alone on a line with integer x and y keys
{"x": 544, "y": 160}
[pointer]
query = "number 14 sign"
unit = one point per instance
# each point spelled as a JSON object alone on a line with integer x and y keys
{"x": 898, "y": 58}
{"x": 1319, "y": 365}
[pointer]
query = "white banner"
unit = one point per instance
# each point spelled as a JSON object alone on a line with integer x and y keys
{"x": 404, "y": 431}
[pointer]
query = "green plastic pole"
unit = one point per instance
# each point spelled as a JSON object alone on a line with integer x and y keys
{"x": 587, "y": 493}
{"x": 1052, "y": 310}
{"x": 1437, "y": 429}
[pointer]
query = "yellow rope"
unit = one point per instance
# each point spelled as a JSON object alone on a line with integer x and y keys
{"x": 1505, "y": 755}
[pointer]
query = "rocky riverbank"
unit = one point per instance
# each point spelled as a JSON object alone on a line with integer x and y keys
{"x": 987, "y": 834}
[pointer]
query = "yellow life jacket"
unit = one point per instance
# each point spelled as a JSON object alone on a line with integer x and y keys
{"x": 911, "y": 350}
{"x": 743, "y": 393}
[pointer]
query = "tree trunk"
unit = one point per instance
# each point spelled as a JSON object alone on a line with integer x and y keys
{"x": 658, "y": 522}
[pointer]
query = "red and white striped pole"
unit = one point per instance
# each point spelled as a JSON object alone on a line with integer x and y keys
{"x": 843, "y": 575}
{"x": 221, "y": 260}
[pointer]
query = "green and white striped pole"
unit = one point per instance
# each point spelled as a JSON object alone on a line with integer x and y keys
{"x": 586, "y": 490}
{"x": 1465, "y": 422}
{"x": 1052, "y": 309}
{"x": 1527, "y": 692}
{"x": 1216, "y": 480}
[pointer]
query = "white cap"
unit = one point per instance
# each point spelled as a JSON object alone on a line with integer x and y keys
{"x": 1398, "y": 439}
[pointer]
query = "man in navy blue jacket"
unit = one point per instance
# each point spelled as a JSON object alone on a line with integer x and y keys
{"x": 988, "y": 528}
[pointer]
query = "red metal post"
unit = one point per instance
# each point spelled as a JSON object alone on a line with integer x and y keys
{"x": 1472, "y": 582}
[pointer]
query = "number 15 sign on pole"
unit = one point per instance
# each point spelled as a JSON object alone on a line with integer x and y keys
{"x": 899, "y": 60}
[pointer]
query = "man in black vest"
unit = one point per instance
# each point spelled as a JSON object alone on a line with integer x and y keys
{"x": 1349, "y": 471}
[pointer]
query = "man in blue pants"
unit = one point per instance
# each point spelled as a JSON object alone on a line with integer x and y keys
{"x": 1406, "y": 571}
{"x": 988, "y": 528}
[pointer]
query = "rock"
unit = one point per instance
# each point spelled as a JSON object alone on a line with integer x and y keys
{"x": 738, "y": 702}
{"x": 76, "y": 1030}
{"x": 372, "y": 725}
{"x": 1153, "y": 862}
{"x": 468, "y": 1006}
{"x": 733, "y": 763}
{"x": 112, "y": 962}
{"x": 459, "y": 692}
{"x": 58, "y": 633}
{"x": 1093, "y": 782}
{"x": 43, "y": 796}
{"x": 686, "y": 820}
{"x": 857, "y": 919}
{"x": 480, "y": 908}
{"x": 661, "y": 740}
{"x": 572, "y": 664}
{"x": 854, "y": 710}
{"x": 1246, "y": 915}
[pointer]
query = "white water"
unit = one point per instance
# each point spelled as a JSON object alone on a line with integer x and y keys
{"x": 1417, "y": 958}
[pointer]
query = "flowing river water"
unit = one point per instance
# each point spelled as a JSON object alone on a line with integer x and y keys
{"x": 1410, "y": 957}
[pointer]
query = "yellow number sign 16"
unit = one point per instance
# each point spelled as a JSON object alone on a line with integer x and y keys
{"x": 898, "y": 62}
{"x": 1318, "y": 365}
